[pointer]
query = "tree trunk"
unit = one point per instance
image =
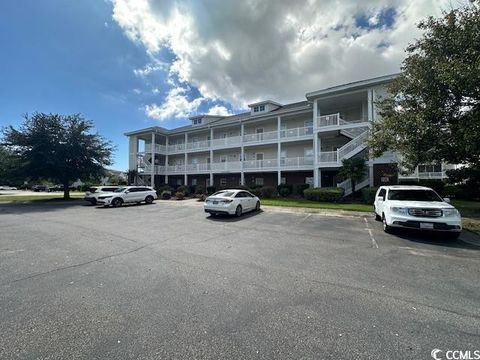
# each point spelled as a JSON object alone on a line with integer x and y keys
{"x": 66, "y": 192}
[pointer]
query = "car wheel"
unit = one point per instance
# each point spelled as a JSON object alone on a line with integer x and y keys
{"x": 257, "y": 206}
{"x": 149, "y": 199}
{"x": 454, "y": 236}
{"x": 238, "y": 211}
{"x": 117, "y": 202}
{"x": 94, "y": 201}
{"x": 386, "y": 227}
{"x": 378, "y": 217}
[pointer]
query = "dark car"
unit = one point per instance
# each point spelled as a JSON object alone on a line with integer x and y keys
{"x": 38, "y": 188}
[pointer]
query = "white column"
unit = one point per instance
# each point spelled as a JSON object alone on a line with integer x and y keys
{"x": 316, "y": 180}
{"x": 133, "y": 152}
{"x": 166, "y": 160}
{"x": 152, "y": 180}
{"x": 242, "y": 154}
{"x": 370, "y": 105}
{"x": 211, "y": 156}
{"x": 279, "y": 150}
{"x": 185, "y": 177}
{"x": 319, "y": 175}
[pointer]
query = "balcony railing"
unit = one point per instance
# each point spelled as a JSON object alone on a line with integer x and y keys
{"x": 425, "y": 175}
{"x": 336, "y": 120}
{"x": 227, "y": 166}
{"x": 296, "y": 162}
{"x": 260, "y": 164}
{"x": 176, "y": 147}
{"x": 328, "y": 157}
{"x": 159, "y": 148}
{"x": 172, "y": 169}
{"x": 198, "y": 167}
{"x": 158, "y": 169}
{"x": 296, "y": 132}
{"x": 227, "y": 141}
{"x": 259, "y": 137}
{"x": 195, "y": 145}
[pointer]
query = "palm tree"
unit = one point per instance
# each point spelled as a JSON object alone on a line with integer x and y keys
{"x": 353, "y": 169}
{"x": 132, "y": 177}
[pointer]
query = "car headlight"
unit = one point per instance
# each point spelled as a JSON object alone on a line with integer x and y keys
{"x": 399, "y": 210}
{"x": 450, "y": 212}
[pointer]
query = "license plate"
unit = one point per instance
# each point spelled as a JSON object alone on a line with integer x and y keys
{"x": 426, "y": 226}
{"x": 215, "y": 202}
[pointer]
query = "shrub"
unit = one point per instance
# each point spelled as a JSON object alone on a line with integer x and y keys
{"x": 368, "y": 195}
{"x": 435, "y": 184}
{"x": 325, "y": 194}
{"x": 199, "y": 189}
{"x": 267, "y": 192}
{"x": 184, "y": 189}
{"x": 163, "y": 188}
{"x": 256, "y": 191}
{"x": 179, "y": 195}
{"x": 284, "y": 190}
{"x": 301, "y": 188}
{"x": 202, "y": 197}
{"x": 166, "y": 195}
{"x": 211, "y": 190}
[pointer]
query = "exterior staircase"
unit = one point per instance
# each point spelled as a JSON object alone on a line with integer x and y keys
{"x": 347, "y": 185}
{"x": 353, "y": 147}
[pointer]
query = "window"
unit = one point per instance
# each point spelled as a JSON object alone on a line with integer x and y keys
{"x": 382, "y": 193}
{"x": 223, "y": 158}
{"x": 256, "y": 109}
{"x": 429, "y": 168}
{"x": 308, "y": 152}
{"x": 283, "y": 180}
{"x": 223, "y": 181}
{"x": 179, "y": 181}
{"x": 194, "y": 182}
{"x": 241, "y": 194}
{"x": 261, "y": 108}
{"x": 197, "y": 121}
{"x": 309, "y": 180}
{"x": 259, "y": 181}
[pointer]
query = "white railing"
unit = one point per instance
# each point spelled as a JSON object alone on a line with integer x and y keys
{"x": 336, "y": 120}
{"x": 258, "y": 137}
{"x": 195, "y": 145}
{"x": 359, "y": 141}
{"x": 227, "y": 141}
{"x": 176, "y": 168}
{"x": 227, "y": 166}
{"x": 296, "y": 162}
{"x": 347, "y": 185}
{"x": 176, "y": 147}
{"x": 198, "y": 167}
{"x": 296, "y": 132}
{"x": 328, "y": 157}
{"x": 424, "y": 175}
{"x": 158, "y": 169}
{"x": 260, "y": 164}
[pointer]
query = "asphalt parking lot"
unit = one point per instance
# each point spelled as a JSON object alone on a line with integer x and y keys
{"x": 166, "y": 281}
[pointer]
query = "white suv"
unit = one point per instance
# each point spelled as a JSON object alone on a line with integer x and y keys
{"x": 92, "y": 194}
{"x": 415, "y": 207}
{"x": 128, "y": 194}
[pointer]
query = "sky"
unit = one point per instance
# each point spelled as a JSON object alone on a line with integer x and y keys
{"x": 131, "y": 64}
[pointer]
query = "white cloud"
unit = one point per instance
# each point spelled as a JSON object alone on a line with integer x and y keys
{"x": 150, "y": 68}
{"x": 176, "y": 105}
{"x": 218, "y": 110}
{"x": 245, "y": 51}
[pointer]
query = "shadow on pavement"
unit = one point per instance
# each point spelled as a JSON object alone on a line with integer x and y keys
{"x": 233, "y": 218}
{"x": 40, "y": 206}
{"x": 439, "y": 239}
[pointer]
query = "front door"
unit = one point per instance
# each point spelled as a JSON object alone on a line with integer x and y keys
{"x": 259, "y": 160}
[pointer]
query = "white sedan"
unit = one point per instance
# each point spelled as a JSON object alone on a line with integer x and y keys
{"x": 231, "y": 202}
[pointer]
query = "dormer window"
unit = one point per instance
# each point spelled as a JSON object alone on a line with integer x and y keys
{"x": 197, "y": 121}
{"x": 259, "y": 108}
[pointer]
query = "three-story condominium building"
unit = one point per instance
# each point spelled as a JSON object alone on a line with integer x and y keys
{"x": 298, "y": 143}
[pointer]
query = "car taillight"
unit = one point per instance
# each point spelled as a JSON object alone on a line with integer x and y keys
{"x": 226, "y": 201}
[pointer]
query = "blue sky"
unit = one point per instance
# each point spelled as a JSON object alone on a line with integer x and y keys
{"x": 129, "y": 64}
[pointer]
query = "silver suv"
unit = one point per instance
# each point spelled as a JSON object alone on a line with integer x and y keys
{"x": 128, "y": 194}
{"x": 94, "y": 192}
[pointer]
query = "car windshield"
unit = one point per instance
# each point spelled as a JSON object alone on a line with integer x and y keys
{"x": 413, "y": 195}
{"x": 122, "y": 189}
{"x": 224, "y": 193}
{"x": 92, "y": 189}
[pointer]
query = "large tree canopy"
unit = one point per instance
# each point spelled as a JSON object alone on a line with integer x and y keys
{"x": 434, "y": 112}
{"x": 59, "y": 147}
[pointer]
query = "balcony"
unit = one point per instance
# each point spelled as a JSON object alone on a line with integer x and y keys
{"x": 265, "y": 164}
{"x": 226, "y": 141}
{"x": 159, "y": 148}
{"x": 176, "y": 148}
{"x": 260, "y": 137}
{"x": 226, "y": 166}
{"x": 296, "y": 162}
{"x": 296, "y": 133}
{"x": 335, "y": 121}
{"x": 200, "y": 167}
{"x": 198, "y": 145}
{"x": 424, "y": 175}
{"x": 176, "y": 169}
{"x": 158, "y": 169}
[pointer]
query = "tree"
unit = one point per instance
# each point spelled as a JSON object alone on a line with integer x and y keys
{"x": 9, "y": 164}
{"x": 354, "y": 169}
{"x": 59, "y": 147}
{"x": 132, "y": 177}
{"x": 433, "y": 114}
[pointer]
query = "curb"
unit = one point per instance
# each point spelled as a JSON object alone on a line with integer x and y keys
{"x": 470, "y": 238}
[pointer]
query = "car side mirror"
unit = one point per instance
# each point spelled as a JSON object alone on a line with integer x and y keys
{"x": 447, "y": 200}
{"x": 126, "y": 191}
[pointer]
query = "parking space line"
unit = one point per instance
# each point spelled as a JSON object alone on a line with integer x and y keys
{"x": 374, "y": 242}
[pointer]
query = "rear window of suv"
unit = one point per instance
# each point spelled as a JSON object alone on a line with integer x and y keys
{"x": 413, "y": 195}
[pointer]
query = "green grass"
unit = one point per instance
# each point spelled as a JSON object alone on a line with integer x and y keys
{"x": 302, "y": 203}
{"x": 42, "y": 197}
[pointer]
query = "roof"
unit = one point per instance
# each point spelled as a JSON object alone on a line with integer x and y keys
{"x": 352, "y": 86}
{"x": 406, "y": 187}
